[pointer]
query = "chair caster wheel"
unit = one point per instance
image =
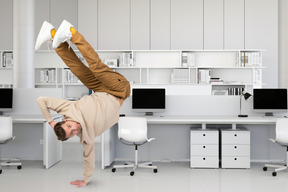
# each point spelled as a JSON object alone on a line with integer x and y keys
{"x": 274, "y": 174}
{"x": 264, "y": 168}
{"x": 113, "y": 170}
{"x": 0, "y": 171}
{"x": 155, "y": 170}
{"x": 132, "y": 173}
{"x": 19, "y": 167}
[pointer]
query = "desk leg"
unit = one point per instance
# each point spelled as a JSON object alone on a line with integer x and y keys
{"x": 52, "y": 147}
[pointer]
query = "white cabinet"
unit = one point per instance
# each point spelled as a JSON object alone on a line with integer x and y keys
{"x": 113, "y": 25}
{"x": 160, "y": 24}
{"x": 6, "y": 20}
{"x": 204, "y": 148}
{"x": 234, "y": 24}
{"x": 140, "y": 24}
{"x": 213, "y": 24}
{"x": 235, "y": 148}
{"x": 187, "y": 24}
{"x": 87, "y": 21}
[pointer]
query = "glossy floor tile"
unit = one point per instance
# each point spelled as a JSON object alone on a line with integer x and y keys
{"x": 171, "y": 177}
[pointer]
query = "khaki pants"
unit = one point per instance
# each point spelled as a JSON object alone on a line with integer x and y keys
{"x": 98, "y": 76}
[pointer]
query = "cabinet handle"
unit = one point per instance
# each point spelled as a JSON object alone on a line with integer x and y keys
{"x": 235, "y": 135}
{"x": 204, "y": 135}
{"x": 235, "y": 159}
{"x": 235, "y": 147}
{"x": 204, "y": 147}
{"x": 204, "y": 158}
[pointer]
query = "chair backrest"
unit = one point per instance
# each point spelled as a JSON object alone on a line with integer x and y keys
{"x": 6, "y": 128}
{"x": 132, "y": 129}
{"x": 282, "y": 130}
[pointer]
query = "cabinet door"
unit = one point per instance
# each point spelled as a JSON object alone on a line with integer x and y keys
{"x": 6, "y": 20}
{"x": 64, "y": 9}
{"x": 140, "y": 24}
{"x": 114, "y": 24}
{"x": 160, "y": 24}
{"x": 42, "y": 13}
{"x": 87, "y": 20}
{"x": 187, "y": 24}
{"x": 213, "y": 24}
{"x": 261, "y": 32}
{"x": 234, "y": 24}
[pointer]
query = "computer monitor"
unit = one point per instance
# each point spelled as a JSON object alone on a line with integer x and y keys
{"x": 270, "y": 100}
{"x": 6, "y": 100}
{"x": 148, "y": 100}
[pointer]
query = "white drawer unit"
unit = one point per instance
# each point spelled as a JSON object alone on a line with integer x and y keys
{"x": 235, "y": 148}
{"x": 204, "y": 148}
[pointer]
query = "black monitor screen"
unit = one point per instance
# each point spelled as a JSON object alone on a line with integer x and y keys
{"x": 6, "y": 98}
{"x": 148, "y": 98}
{"x": 274, "y": 99}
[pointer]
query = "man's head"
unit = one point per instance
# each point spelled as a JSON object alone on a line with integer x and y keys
{"x": 66, "y": 129}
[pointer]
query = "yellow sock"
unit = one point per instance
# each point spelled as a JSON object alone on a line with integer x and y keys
{"x": 73, "y": 31}
{"x": 53, "y": 32}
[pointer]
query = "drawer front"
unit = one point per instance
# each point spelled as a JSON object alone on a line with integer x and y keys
{"x": 235, "y": 162}
{"x": 235, "y": 137}
{"x": 204, "y": 162}
{"x": 235, "y": 150}
{"x": 207, "y": 150}
{"x": 204, "y": 137}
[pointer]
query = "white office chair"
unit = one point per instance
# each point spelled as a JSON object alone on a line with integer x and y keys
{"x": 133, "y": 131}
{"x": 281, "y": 139}
{"x": 6, "y": 129}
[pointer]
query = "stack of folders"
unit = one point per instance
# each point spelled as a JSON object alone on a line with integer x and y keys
{"x": 125, "y": 60}
{"x": 180, "y": 76}
{"x": 48, "y": 76}
{"x": 235, "y": 90}
{"x": 204, "y": 76}
{"x": 69, "y": 77}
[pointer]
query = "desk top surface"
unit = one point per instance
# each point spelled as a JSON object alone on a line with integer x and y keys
{"x": 171, "y": 119}
{"x": 210, "y": 119}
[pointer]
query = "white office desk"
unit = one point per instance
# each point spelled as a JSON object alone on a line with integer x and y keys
{"x": 52, "y": 148}
{"x": 108, "y": 138}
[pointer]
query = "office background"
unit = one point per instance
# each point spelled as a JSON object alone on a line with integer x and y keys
{"x": 157, "y": 25}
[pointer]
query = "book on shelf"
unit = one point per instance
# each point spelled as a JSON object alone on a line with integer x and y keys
{"x": 204, "y": 76}
{"x": 250, "y": 59}
{"x": 188, "y": 59}
{"x": 48, "y": 76}
{"x": 7, "y": 59}
{"x": 69, "y": 77}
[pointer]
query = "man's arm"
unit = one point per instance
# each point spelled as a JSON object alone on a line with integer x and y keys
{"x": 50, "y": 103}
{"x": 89, "y": 160}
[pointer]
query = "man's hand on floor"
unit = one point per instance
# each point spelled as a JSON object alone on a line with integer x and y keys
{"x": 79, "y": 183}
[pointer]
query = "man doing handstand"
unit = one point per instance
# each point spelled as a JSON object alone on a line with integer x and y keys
{"x": 91, "y": 115}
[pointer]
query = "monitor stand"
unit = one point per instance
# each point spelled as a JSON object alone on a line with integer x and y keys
{"x": 148, "y": 113}
{"x": 269, "y": 114}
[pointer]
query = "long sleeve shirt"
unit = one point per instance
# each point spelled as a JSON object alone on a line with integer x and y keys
{"x": 95, "y": 113}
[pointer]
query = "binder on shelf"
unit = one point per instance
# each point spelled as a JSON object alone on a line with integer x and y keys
{"x": 180, "y": 76}
{"x": 48, "y": 76}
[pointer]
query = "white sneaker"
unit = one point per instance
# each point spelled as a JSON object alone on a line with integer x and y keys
{"x": 44, "y": 35}
{"x": 63, "y": 34}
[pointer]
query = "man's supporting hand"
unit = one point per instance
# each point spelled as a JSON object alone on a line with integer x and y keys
{"x": 79, "y": 183}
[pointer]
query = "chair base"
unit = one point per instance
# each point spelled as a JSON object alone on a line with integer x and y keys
{"x": 147, "y": 165}
{"x": 10, "y": 162}
{"x": 277, "y": 168}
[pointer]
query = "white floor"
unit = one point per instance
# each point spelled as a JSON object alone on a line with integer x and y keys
{"x": 173, "y": 177}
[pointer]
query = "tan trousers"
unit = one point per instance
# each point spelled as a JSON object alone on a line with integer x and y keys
{"x": 98, "y": 76}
